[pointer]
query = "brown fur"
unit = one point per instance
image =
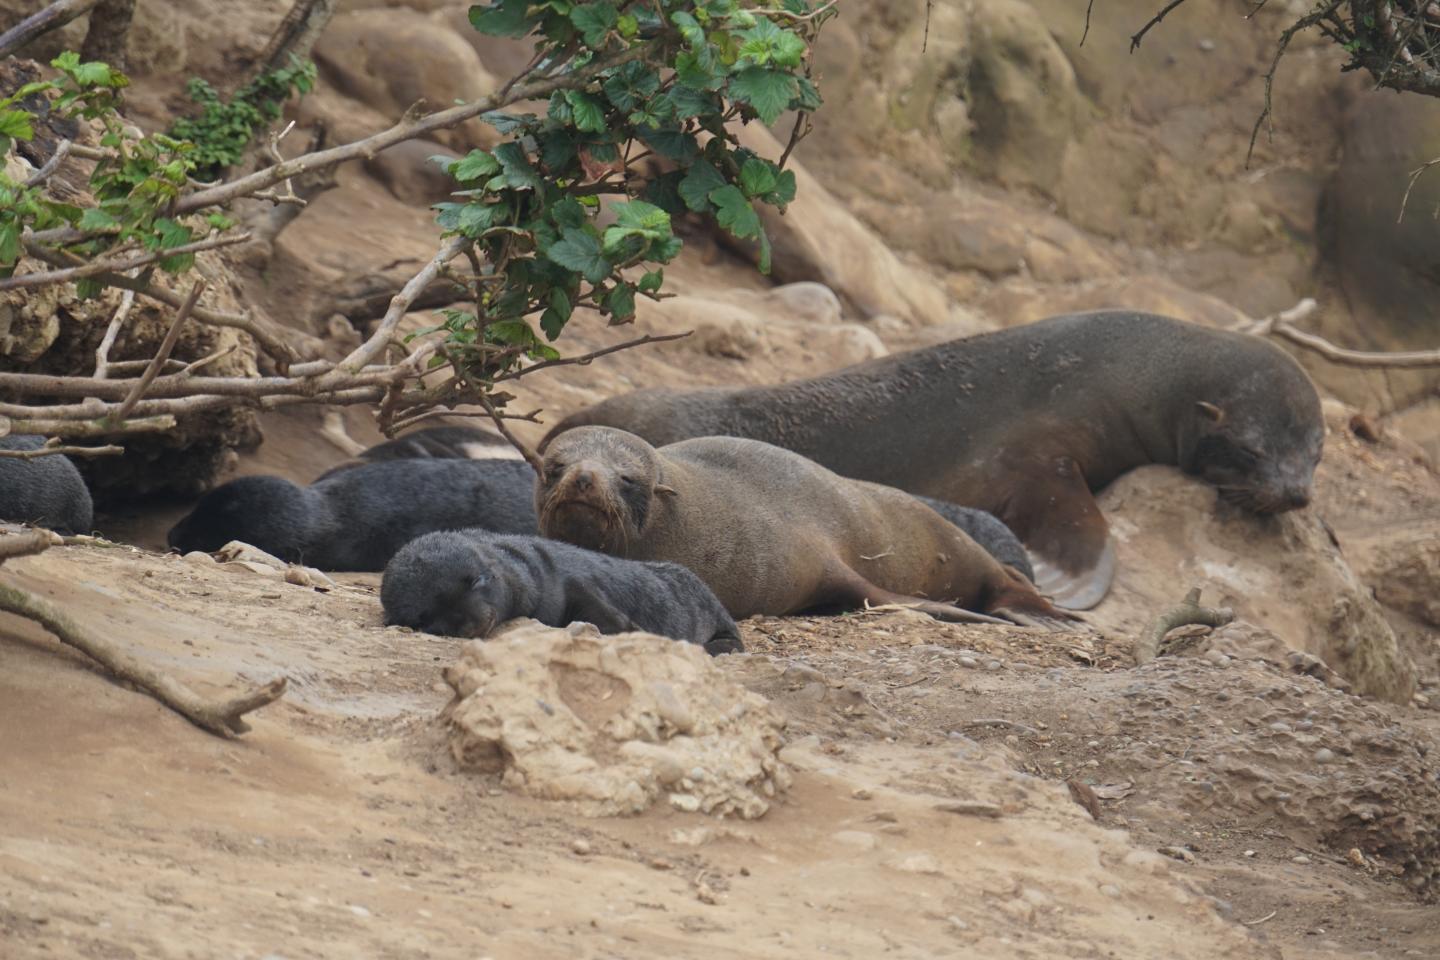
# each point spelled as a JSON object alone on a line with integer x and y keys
{"x": 769, "y": 531}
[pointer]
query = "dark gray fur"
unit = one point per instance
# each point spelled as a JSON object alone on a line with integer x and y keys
{"x": 987, "y": 530}
{"x": 46, "y": 491}
{"x": 465, "y": 582}
{"x": 441, "y": 443}
{"x": 357, "y": 519}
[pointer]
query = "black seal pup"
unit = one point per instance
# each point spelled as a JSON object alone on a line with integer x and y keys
{"x": 1026, "y": 423}
{"x": 47, "y": 491}
{"x": 357, "y": 519}
{"x": 463, "y": 583}
{"x": 771, "y": 532}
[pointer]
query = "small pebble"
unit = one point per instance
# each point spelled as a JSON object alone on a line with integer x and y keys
{"x": 1280, "y": 727}
{"x": 1110, "y": 890}
{"x": 860, "y": 793}
{"x": 359, "y": 911}
{"x": 992, "y": 664}
{"x": 1300, "y": 859}
{"x": 1304, "y": 726}
{"x": 970, "y": 663}
{"x": 1205, "y": 44}
{"x": 1249, "y": 853}
{"x": 581, "y": 847}
{"x": 1324, "y": 755}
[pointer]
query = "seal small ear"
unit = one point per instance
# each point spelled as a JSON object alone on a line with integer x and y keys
{"x": 668, "y": 491}
{"x": 1216, "y": 415}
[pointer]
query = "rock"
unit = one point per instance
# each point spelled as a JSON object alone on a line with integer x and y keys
{"x": 1024, "y": 102}
{"x": 581, "y": 847}
{"x": 856, "y": 838}
{"x": 612, "y": 723}
{"x": 408, "y": 172}
{"x": 1404, "y": 569}
{"x": 1324, "y": 755}
{"x": 916, "y": 863}
{"x": 390, "y": 60}
{"x": 818, "y": 239}
{"x": 1282, "y": 573}
{"x": 1176, "y": 853}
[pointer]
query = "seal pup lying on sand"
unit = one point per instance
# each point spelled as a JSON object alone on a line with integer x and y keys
{"x": 463, "y": 583}
{"x": 769, "y": 531}
{"x": 1025, "y": 423}
{"x": 46, "y": 491}
{"x": 358, "y": 518}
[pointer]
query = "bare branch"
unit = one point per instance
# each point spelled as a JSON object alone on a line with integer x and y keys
{"x": 526, "y": 451}
{"x": 102, "y": 352}
{"x": 1268, "y": 111}
{"x": 1414, "y": 176}
{"x": 51, "y": 165}
{"x": 53, "y": 447}
{"x": 1154, "y": 21}
{"x": 51, "y": 18}
{"x": 95, "y": 267}
{"x": 1147, "y": 646}
{"x": 224, "y": 718}
{"x": 166, "y": 346}
{"x": 406, "y": 129}
{"x": 584, "y": 359}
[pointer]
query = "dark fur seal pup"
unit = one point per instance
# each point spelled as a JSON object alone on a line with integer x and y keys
{"x": 769, "y": 531}
{"x": 358, "y": 518}
{"x": 463, "y": 583}
{"x": 1025, "y": 423}
{"x": 997, "y": 539}
{"x": 441, "y": 443}
{"x": 46, "y": 491}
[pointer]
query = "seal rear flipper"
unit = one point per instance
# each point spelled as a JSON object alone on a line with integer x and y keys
{"x": 851, "y": 589}
{"x": 1065, "y": 533}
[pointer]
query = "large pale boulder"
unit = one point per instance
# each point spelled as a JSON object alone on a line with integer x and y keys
{"x": 613, "y": 724}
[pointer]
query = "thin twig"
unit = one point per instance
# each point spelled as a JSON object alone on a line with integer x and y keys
{"x": 1268, "y": 112}
{"x": 1414, "y": 175}
{"x": 802, "y": 17}
{"x": 102, "y": 352}
{"x": 584, "y": 359}
{"x": 526, "y": 451}
{"x": 166, "y": 346}
{"x": 43, "y": 174}
{"x": 1154, "y": 21}
{"x": 52, "y": 447}
{"x": 1090, "y": 5}
{"x": 1147, "y": 646}
{"x": 48, "y": 277}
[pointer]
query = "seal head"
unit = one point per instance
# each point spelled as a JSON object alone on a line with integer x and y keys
{"x": 266, "y": 512}
{"x": 442, "y": 585}
{"x": 599, "y": 489}
{"x": 1259, "y": 453}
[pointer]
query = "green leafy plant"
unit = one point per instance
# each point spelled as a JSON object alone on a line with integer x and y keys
{"x": 225, "y": 129}
{"x": 655, "y": 131}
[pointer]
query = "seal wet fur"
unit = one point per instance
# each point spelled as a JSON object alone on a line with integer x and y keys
{"x": 47, "y": 491}
{"x": 357, "y": 519}
{"x": 769, "y": 531}
{"x": 1027, "y": 423}
{"x": 463, "y": 583}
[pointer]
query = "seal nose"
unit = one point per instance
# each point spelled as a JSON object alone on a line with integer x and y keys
{"x": 584, "y": 480}
{"x": 1296, "y": 497}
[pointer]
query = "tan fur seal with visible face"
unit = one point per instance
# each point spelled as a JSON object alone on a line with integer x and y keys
{"x": 1025, "y": 423}
{"x": 769, "y": 531}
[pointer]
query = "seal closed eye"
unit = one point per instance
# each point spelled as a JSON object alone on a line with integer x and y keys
{"x": 1026, "y": 423}
{"x": 771, "y": 532}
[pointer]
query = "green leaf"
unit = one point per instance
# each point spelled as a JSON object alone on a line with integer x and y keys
{"x": 96, "y": 74}
{"x": 758, "y": 42}
{"x": 621, "y": 302}
{"x": 594, "y": 20}
{"x": 507, "y": 18}
{"x": 768, "y": 91}
{"x": 568, "y": 213}
{"x": 645, "y": 218}
{"x": 631, "y": 86}
{"x": 764, "y": 263}
{"x": 580, "y": 251}
{"x": 516, "y": 171}
{"x": 784, "y": 192}
{"x": 97, "y": 219}
{"x": 470, "y": 219}
{"x": 734, "y": 213}
{"x": 671, "y": 142}
{"x": 589, "y": 113}
{"x": 473, "y": 166}
{"x": 516, "y": 333}
{"x": 699, "y": 69}
{"x": 809, "y": 95}
{"x": 690, "y": 31}
{"x": 757, "y": 177}
{"x": 16, "y": 124}
{"x": 628, "y": 26}
{"x": 651, "y": 281}
{"x": 698, "y": 184}
{"x": 87, "y": 288}
{"x": 172, "y": 234}
{"x": 686, "y": 102}
{"x": 9, "y": 242}
{"x": 553, "y": 320}
{"x": 663, "y": 251}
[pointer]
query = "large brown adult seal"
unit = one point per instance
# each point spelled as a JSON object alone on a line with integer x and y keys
{"x": 1026, "y": 423}
{"x": 769, "y": 531}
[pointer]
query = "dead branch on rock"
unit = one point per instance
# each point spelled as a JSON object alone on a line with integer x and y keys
{"x": 1283, "y": 325}
{"x": 221, "y": 717}
{"x": 102, "y": 352}
{"x": 42, "y": 22}
{"x": 1147, "y": 646}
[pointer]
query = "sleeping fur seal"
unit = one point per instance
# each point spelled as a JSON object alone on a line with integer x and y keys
{"x": 463, "y": 583}
{"x": 451, "y": 442}
{"x": 357, "y": 519}
{"x": 769, "y": 531}
{"x": 1025, "y": 423}
{"x": 47, "y": 491}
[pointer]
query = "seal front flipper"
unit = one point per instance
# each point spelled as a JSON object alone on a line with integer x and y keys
{"x": 1061, "y": 525}
{"x": 584, "y": 603}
